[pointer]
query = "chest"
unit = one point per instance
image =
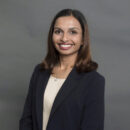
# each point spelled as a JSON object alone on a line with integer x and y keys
{"x": 60, "y": 73}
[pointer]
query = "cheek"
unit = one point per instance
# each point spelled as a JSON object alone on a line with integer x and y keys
{"x": 55, "y": 38}
{"x": 77, "y": 40}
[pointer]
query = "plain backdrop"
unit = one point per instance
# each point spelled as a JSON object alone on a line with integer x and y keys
{"x": 24, "y": 26}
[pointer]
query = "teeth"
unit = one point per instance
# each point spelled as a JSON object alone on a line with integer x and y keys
{"x": 65, "y": 45}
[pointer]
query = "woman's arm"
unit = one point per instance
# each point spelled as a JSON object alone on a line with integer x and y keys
{"x": 25, "y": 122}
{"x": 93, "y": 114}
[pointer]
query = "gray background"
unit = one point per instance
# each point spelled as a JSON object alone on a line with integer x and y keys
{"x": 23, "y": 34}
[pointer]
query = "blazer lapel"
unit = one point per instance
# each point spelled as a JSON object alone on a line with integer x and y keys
{"x": 68, "y": 86}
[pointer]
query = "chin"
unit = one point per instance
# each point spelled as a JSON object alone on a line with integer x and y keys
{"x": 67, "y": 54}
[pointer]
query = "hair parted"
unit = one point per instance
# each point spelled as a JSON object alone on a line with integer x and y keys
{"x": 84, "y": 62}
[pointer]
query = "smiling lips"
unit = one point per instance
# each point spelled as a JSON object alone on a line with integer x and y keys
{"x": 65, "y": 46}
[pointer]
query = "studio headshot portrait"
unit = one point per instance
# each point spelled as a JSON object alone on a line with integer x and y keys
{"x": 64, "y": 65}
{"x": 66, "y": 92}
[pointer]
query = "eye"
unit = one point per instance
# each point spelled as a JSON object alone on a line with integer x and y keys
{"x": 73, "y": 32}
{"x": 57, "y": 31}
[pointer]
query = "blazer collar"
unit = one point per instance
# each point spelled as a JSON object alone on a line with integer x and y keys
{"x": 67, "y": 88}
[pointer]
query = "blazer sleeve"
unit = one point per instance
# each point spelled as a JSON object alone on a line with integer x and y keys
{"x": 93, "y": 114}
{"x": 25, "y": 122}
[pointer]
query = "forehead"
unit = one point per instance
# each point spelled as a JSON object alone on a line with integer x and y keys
{"x": 67, "y": 21}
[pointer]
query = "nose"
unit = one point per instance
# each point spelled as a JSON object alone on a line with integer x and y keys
{"x": 64, "y": 37}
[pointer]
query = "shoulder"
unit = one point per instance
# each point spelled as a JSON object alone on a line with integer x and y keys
{"x": 37, "y": 68}
{"x": 95, "y": 87}
{"x": 94, "y": 75}
{"x": 94, "y": 81}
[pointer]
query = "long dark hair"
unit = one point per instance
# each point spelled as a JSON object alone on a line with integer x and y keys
{"x": 84, "y": 61}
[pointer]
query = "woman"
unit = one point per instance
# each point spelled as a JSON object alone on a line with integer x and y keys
{"x": 66, "y": 92}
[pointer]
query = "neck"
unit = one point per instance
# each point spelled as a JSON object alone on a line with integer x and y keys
{"x": 67, "y": 62}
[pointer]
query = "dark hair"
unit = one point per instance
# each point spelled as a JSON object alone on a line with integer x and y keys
{"x": 84, "y": 61}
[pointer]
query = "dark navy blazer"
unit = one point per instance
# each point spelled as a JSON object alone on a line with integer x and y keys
{"x": 79, "y": 104}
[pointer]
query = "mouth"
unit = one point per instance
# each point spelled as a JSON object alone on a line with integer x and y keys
{"x": 65, "y": 46}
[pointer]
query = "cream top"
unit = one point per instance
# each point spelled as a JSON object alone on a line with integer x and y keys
{"x": 51, "y": 90}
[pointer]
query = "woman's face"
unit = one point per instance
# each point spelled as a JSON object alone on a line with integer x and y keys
{"x": 67, "y": 35}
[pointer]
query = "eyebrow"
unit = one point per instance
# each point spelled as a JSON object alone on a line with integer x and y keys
{"x": 69, "y": 28}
